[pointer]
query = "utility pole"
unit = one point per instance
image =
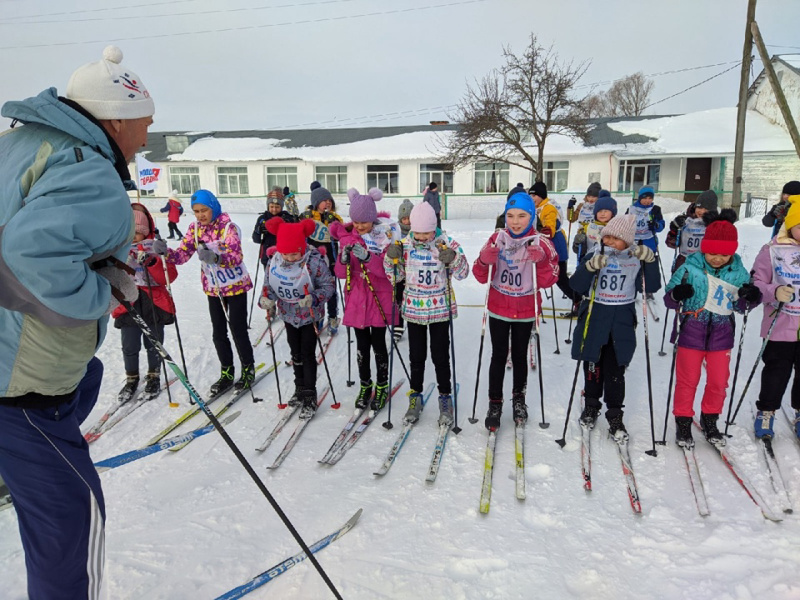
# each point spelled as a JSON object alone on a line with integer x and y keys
{"x": 741, "y": 114}
{"x": 780, "y": 98}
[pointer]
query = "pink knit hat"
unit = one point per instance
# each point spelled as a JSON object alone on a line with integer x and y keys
{"x": 622, "y": 227}
{"x": 423, "y": 218}
{"x": 362, "y": 208}
{"x": 142, "y": 222}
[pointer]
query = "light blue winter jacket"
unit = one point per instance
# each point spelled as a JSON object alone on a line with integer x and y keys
{"x": 62, "y": 206}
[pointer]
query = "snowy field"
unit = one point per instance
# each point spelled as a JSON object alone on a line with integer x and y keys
{"x": 192, "y": 524}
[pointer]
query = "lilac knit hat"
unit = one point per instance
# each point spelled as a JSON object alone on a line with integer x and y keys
{"x": 423, "y": 218}
{"x": 622, "y": 227}
{"x": 362, "y": 208}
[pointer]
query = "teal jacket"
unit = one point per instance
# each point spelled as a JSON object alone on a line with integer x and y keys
{"x": 62, "y": 206}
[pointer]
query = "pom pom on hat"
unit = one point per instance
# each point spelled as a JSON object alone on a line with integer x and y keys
{"x": 721, "y": 236}
{"x": 291, "y": 237}
{"x": 362, "y": 207}
{"x": 142, "y": 222}
{"x": 315, "y": 185}
{"x": 423, "y": 218}
{"x": 108, "y": 90}
{"x": 622, "y": 227}
{"x": 174, "y": 194}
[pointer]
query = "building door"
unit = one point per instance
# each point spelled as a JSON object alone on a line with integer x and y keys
{"x": 698, "y": 177}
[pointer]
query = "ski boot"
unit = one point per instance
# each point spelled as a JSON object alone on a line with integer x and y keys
{"x": 295, "y": 400}
{"x": 414, "y": 407}
{"x": 333, "y": 325}
{"x": 492, "y": 421}
{"x": 713, "y": 435}
{"x": 445, "y": 410}
{"x": 364, "y": 395}
{"x": 519, "y": 407}
{"x": 309, "y": 404}
{"x": 616, "y": 428}
{"x": 152, "y": 384}
{"x": 764, "y": 424}
{"x": 224, "y": 383}
{"x": 683, "y": 432}
{"x": 129, "y": 389}
{"x": 589, "y": 416}
{"x": 246, "y": 380}
{"x": 381, "y": 396}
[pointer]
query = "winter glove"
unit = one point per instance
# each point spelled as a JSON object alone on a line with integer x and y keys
{"x": 143, "y": 257}
{"x": 682, "y": 291}
{"x": 750, "y": 293}
{"x": 780, "y": 210}
{"x": 305, "y": 301}
{"x": 266, "y": 303}
{"x": 580, "y": 240}
{"x": 395, "y": 252}
{"x": 546, "y": 231}
{"x": 489, "y": 254}
{"x": 360, "y": 252}
{"x": 447, "y": 256}
{"x": 651, "y": 224}
{"x": 160, "y": 247}
{"x": 344, "y": 255}
{"x": 207, "y": 255}
{"x": 536, "y": 253}
{"x": 784, "y": 293}
{"x": 679, "y": 221}
{"x": 571, "y": 204}
{"x": 120, "y": 281}
{"x": 644, "y": 253}
{"x": 597, "y": 262}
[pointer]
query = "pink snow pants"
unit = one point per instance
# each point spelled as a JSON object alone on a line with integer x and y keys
{"x": 688, "y": 365}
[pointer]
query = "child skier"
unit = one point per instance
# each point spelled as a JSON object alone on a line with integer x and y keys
{"x": 649, "y": 220}
{"x": 174, "y": 211}
{"x": 322, "y": 211}
{"x": 404, "y": 216}
{"x": 261, "y": 236}
{"x": 515, "y": 255}
{"x": 587, "y": 240}
{"x": 711, "y": 284}
{"x": 605, "y": 335}
{"x": 584, "y": 212}
{"x": 298, "y": 283}
{"x": 686, "y": 231}
{"x": 777, "y": 275}
{"x": 153, "y": 304}
{"x": 368, "y": 292}
{"x": 422, "y": 259}
{"x": 217, "y": 241}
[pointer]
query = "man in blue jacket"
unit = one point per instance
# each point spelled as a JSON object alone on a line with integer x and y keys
{"x": 65, "y": 218}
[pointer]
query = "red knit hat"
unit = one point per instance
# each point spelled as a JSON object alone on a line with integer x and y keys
{"x": 291, "y": 236}
{"x": 721, "y": 237}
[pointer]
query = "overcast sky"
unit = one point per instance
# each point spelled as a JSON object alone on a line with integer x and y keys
{"x": 265, "y": 64}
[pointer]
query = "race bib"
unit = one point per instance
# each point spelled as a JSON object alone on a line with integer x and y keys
{"x": 139, "y": 277}
{"x": 321, "y": 233}
{"x": 587, "y": 213}
{"x": 616, "y": 283}
{"x": 222, "y": 276}
{"x": 721, "y": 296}
{"x": 289, "y": 281}
{"x": 514, "y": 273}
{"x": 691, "y": 236}
{"x": 383, "y": 233}
{"x": 642, "y": 215}
{"x": 425, "y": 273}
{"x": 786, "y": 267}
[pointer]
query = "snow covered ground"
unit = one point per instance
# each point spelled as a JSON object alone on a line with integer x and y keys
{"x": 193, "y": 525}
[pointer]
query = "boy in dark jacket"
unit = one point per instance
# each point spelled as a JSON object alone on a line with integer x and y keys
{"x": 260, "y": 233}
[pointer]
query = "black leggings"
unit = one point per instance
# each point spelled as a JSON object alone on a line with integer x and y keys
{"x": 372, "y": 338}
{"x": 520, "y": 332}
{"x": 173, "y": 229}
{"x": 237, "y": 314}
{"x": 605, "y": 379}
{"x": 440, "y": 354}
{"x": 780, "y": 360}
{"x": 303, "y": 346}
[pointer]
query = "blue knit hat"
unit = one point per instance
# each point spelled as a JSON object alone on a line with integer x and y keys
{"x": 647, "y": 191}
{"x": 605, "y": 202}
{"x": 522, "y": 201}
{"x": 208, "y": 199}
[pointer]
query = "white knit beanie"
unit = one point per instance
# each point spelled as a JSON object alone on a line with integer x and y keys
{"x": 622, "y": 227}
{"x": 107, "y": 90}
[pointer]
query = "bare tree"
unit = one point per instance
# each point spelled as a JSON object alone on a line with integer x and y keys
{"x": 627, "y": 97}
{"x": 510, "y": 113}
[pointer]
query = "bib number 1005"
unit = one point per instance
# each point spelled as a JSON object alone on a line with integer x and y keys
{"x": 225, "y": 275}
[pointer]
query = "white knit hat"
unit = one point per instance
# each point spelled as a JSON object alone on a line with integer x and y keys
{"x": 622, "y": 227}
{"x": 107, "y": 90}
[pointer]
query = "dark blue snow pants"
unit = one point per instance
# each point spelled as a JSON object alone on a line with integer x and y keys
{"x": 45, "y": 463}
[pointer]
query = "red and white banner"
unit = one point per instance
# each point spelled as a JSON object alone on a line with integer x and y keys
{"x": 147, "y": 174}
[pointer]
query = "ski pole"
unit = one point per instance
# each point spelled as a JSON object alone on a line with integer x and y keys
{"x": 253, "y": 300}
{"x": 349, "y": 382}
{"x": 679, "y": 323}
{"x": 174, "y": 312}
{"x": 755, "y": 365}
{"x": 472, "y": 419}
{"x": 456, "y": 429}
{"x": 555, "y": 322}
{"x": 736, "y": 368}
{"x": 664, "y": 332}
{"x": 281, "y": 405}
{"x": 536, "y": 309}
{"x": 231, "y": 444}
{"x": 319, "y": 343}
{"x": 652, "y": 451}
{"x": 388, "y": 424}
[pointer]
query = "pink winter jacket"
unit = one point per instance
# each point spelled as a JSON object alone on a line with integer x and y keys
{"x": 510, "y": 307}
{"x": 786, "y": 327}
{"x": 230, "y": 251}
{"x": 360, "y": 308}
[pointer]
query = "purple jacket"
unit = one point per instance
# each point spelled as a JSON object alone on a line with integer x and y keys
{"x": 786, "y": 327}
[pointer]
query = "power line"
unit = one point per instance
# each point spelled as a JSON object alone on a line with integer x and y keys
{"x": 692, "y": 87}
{"x": 249, "y": 27}
{"x": 659, "y": 74}
{"x": 95, "y": 10}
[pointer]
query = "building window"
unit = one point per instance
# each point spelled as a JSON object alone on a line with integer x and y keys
{"x": 556, "y": 175}
{"x": 184, "y": 179}
{"x": 383, "y": 177}
{"x": 232, "y": 180}
{"x": 491, "y": 178}
{"x": 633, "y": 174}
{"x": 441, "y": 174}
{"x": 282, "y": 177}
{"x": 334, "y": 179}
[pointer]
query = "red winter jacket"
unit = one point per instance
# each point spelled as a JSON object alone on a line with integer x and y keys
{"x": 522, "y": 307}
{"x": 175, "y": 210}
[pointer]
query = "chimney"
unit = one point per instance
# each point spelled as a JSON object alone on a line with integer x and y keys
{"x": 439, "y": 123}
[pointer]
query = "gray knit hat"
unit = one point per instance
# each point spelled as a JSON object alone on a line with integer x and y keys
{"x": 405, "y": 209}
{"x": 318, "y": 195}
{"x": 707, "y": 200}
